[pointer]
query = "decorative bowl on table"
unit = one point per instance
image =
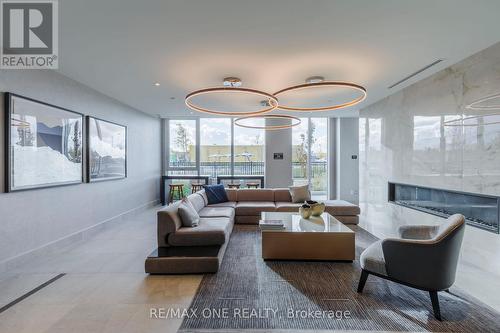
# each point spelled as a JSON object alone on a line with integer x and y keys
{"x": 317, "y": 208}
{"x": 305, "y": 211}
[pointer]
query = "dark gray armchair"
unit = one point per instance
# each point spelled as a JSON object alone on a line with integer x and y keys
{"x": 425, "y": 257}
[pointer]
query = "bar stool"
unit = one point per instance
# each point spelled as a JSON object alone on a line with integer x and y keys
{"x": 195, "y": 187}
{"x": 236, "y": 186}
{"x": 179, "y": 188}
{"x": 253, "y": 185}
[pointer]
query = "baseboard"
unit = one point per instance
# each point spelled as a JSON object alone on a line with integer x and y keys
{"x": 69, "y": 240}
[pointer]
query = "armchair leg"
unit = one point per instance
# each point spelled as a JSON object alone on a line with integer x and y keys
{"x": 362, "y": 280}
{"x": 435, "y": 304}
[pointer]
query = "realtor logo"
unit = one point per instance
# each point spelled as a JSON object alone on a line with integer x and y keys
{"x": 29, "y": 36}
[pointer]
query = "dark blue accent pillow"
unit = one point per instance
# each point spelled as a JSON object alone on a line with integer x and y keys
{"x": 215, "y": 194}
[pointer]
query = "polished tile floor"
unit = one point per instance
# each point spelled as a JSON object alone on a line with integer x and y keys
{"x": 105, "y": 288}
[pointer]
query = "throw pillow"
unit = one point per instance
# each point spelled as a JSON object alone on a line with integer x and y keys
{"x": 188, "y": 214}
{"x": 300, "y": 193}
{"x": 215, "y": 194}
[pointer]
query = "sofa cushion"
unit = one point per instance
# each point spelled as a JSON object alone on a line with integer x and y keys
{"x": 210, "y": 231}
{"x": 188, "y": 214}
{"x": 232, "y": 194}
{"x": 211, "y": 211}
{"x": 215, "y": 193}
{"x": 204, "y": 196}
{"x": 372, "y": 259}
{"x": 260, "y": 194}
{"x": 254, "y": 208}
{"x": 197, "y": 201}
{"x": 287, "y": 206}
{"x": 300, "y": 194}
{"x": 341, "y": 207}
{"x": 230, "y": 204}
{"x": 282, "y": 195}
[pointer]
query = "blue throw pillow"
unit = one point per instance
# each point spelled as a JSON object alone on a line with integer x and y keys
{"x": 215, "y": 194}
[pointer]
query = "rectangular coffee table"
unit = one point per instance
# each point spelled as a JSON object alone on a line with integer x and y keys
{"x": 316, "y": 238}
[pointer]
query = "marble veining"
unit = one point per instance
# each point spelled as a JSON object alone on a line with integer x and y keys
{"x": 406, "y": 138}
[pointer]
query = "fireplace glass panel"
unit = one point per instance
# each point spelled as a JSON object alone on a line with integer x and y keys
{"x": 479, "y": 210}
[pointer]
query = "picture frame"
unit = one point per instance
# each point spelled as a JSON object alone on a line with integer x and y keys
{"x": 43, "y": 144}
{"x": 106, "y": 150}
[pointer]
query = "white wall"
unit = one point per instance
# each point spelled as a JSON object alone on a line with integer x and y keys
{"x": 34, "y": 218}
{"x": 278, "y": 172}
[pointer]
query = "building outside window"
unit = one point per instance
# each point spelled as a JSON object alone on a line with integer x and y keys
{"x": 249, "y": 149}
{"x": 215, "y": 147}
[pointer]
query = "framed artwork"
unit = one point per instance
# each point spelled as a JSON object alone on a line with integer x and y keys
{"x": 106, "y": 150}
{"x": 43, "y": 144}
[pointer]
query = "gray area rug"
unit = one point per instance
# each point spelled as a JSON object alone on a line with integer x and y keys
{"x": 250, "y": 293}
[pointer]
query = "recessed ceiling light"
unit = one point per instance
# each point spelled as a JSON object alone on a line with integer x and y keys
{"x": 157, "y": 84}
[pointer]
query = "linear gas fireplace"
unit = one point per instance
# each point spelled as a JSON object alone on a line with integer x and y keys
{"x": 482, "y": 211}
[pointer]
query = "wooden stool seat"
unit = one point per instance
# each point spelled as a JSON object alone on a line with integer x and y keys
{"x": 253, "y": 185}
{"x": 236, "y": 186}
{"x": 195, "y": 187}
{"x": 175, "y": 188}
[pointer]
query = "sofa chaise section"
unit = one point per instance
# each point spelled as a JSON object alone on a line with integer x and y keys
{"x": 183, "y": 250}
{"x": 342, "y": 210}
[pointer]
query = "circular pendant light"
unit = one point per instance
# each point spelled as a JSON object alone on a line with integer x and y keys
{"x": 294, "y": 121}
{"x": 479, "y": 106}
{"x": 232, "y": 85}
{"x": 317, "y": 82}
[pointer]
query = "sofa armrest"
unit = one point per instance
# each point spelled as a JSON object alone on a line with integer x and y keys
{"x": 417, "y": 231}
{"x": 168, "y": 221}
{"x": 341, "y": 208}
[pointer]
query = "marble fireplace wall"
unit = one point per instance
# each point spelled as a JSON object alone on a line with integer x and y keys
{"x": 406, "y": 138}
{"x": 417, "y": 135}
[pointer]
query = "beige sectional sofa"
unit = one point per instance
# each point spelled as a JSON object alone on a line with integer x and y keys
{"x": 200, "y": 249}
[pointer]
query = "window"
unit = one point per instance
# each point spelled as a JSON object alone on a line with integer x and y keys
{"x": 215, "y": 147}
{"x": 300, "y": 153}
{"x": 310, "y": 155}
{"x": 249, "y": 149}
{"x": 182, "y": 139}
{"x": 224, "y": 149}
{"x": 319, "y": 157}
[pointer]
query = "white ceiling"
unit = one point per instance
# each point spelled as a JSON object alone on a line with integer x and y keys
{"x": 121, "y": 47}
